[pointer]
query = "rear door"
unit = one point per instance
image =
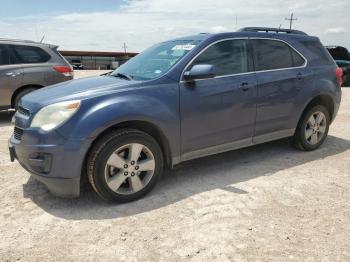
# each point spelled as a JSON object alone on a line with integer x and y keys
{"x": 34, "y": 62}
{"x": 281, "y": 74}
{"x": 218, "y": 114}
{"x": 10, "y": 76}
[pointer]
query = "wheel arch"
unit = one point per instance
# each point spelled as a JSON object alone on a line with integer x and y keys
{"x": 321, "y": 99}
{"x": 20, "y": 89}
{"x": 144, "y": 126}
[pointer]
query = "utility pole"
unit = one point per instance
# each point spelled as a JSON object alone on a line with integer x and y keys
{"x": 291, "y": 19}
{"x": 125, "y": 47}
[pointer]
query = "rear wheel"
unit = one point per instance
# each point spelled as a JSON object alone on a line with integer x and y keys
{"x": 21, "y": 94}
{"x": 312, "y": 129}
{"x": 124, "y": 165}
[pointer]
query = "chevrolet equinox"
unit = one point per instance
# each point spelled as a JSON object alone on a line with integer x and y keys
{"x": 178, "y": 100}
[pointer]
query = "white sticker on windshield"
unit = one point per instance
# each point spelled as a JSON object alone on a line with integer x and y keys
{"x": 183, "y": 47}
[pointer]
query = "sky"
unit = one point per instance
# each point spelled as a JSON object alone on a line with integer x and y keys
{"x": 105, "y": 25}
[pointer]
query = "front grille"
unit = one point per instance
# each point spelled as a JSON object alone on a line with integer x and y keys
{"x": 23, "y": 111}
{"x": 18, "y": 133}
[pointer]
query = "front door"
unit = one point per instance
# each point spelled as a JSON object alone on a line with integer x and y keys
{"x": 218, "y": 114}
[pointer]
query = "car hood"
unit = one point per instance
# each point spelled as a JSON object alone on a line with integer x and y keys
{"x": 79, "y": 89}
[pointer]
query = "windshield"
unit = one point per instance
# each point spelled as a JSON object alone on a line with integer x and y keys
{"x": 155, "y": 61}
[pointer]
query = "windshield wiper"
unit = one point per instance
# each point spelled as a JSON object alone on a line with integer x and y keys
{"x": 124, "y": 76}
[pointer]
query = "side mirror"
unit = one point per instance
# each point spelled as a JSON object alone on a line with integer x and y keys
{"x": 200, "y": 72}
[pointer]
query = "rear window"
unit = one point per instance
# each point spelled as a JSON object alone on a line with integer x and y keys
{"x": 317, "y": 53}
{"x": 30, "y": 54}
{"x": 274, "y": 54}
{"x": 4, "y": 55}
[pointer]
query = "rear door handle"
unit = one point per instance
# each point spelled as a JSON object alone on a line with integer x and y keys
{"x": 244, "y": 86}
{"x": 300, "y": 76}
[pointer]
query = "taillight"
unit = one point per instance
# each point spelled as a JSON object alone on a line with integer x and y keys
{"x": 64, "y": 70}
{"x": 339, "y": 74}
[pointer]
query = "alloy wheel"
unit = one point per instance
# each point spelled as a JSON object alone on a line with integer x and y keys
{"x": 129, "y": 169}
{"x": 315, "y": 128}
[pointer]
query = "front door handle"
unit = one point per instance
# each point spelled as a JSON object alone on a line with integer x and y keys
{"x": 244, "y": 86}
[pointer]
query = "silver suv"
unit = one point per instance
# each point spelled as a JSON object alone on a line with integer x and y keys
{"x": 26, "y": 66}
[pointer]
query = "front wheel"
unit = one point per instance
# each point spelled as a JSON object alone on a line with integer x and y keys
{"x": 312, "y": 129}
{"x": 124, "y": 165}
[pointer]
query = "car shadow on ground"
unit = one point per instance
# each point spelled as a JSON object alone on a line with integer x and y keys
{"x": 220, "y": 171}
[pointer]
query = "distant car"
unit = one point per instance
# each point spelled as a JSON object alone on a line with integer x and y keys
{"x": 342, "y": 57}
{"x": 77, "y": 65}
{"x": 26, "y": 66}
{"x": 179, "y": 100}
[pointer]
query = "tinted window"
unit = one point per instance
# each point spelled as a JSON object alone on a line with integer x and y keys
{"x": 271, "y": 54}
{"x": 317, "y": 53}
{"x": 297, "y": 59}
{"x": 30, "y": 54}
{"x": 228, "y": 57}
{"x": 4, "y": 55}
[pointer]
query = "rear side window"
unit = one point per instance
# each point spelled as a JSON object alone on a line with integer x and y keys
{"x": 4, "y": 55}
{"x": 30, "y": 54}
{"x": 317, "y": 53}
{"x": 228, "y": 57}
{"x": 273, "y": 54}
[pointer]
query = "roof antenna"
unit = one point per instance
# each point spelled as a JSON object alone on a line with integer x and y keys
{"x": 42, "y": 39}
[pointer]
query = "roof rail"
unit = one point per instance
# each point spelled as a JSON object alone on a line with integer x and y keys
{"x": 17, "y": 40}
{"x": 272, "y": 30}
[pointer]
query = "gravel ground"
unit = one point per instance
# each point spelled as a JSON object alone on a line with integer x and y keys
{"x": 264, "y": 203}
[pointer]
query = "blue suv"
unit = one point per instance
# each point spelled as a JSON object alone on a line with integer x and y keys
{"x": 178, "y": 100}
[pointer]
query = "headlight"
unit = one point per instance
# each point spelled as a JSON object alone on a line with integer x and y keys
{"x": 52, "y": 116}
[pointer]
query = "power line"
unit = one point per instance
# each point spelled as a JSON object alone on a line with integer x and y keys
{"x": 291, "y": 19}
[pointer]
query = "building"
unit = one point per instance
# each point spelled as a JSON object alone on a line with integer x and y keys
{"x": 90, "y": 60}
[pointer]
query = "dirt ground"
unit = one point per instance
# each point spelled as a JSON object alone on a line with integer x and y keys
{"x": 87, "y": 73}
{"x": 264, "y": 203}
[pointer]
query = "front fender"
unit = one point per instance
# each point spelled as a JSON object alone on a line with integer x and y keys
{"x": 94, "y": 117}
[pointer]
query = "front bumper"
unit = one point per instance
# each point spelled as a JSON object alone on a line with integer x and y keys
{"x": 58, "y": 166}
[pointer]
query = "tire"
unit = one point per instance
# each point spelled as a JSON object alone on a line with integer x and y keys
{"x": 302, "y": 139}
{"x": 21, "y": 94}
{"x": 346, "y": 80}
{"x": 115, "y": 173}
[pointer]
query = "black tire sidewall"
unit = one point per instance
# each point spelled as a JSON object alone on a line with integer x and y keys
{"x": 301, "y": 139}
{"x": 105, "y": 150}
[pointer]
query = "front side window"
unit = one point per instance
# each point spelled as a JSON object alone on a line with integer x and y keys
{"x": 228, "y": 57}
{"x": 30, "y": 54}
{"x": 4, "y": 55}
{"x": 157, "y": 60}
{"x": 272, "y": 54}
